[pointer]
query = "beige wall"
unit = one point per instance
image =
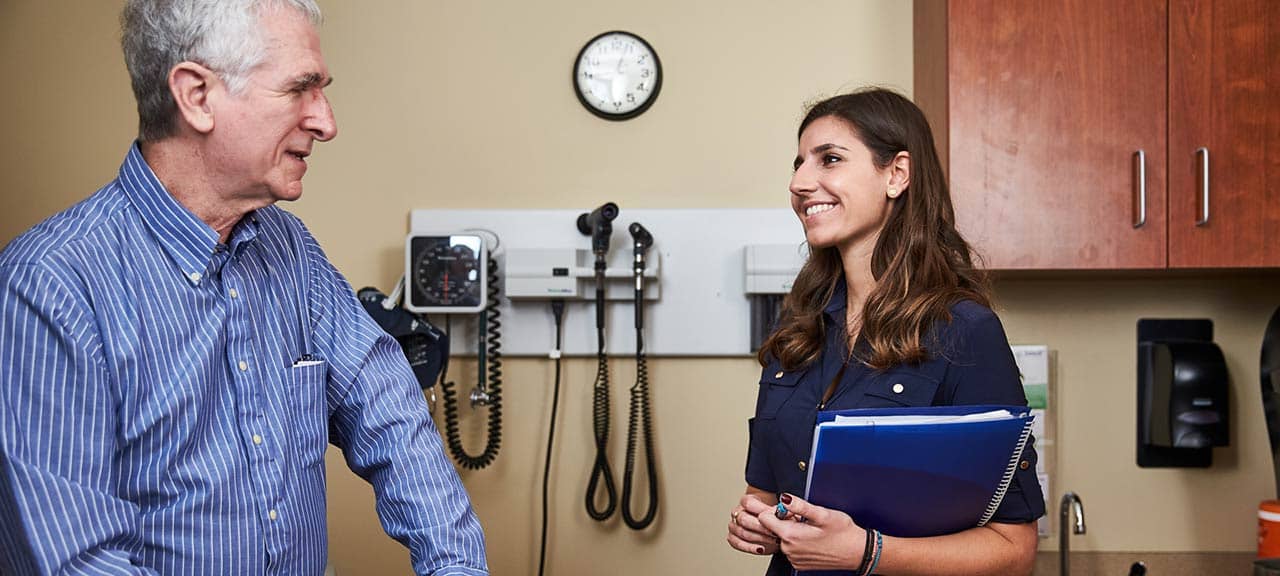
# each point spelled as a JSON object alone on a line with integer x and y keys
{"x": 468, "y": 105}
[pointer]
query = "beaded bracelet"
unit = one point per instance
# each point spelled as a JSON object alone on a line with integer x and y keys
{"x": 867, "y": 549}
{"x": 875, "y": 559}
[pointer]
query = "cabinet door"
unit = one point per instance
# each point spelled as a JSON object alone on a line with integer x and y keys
{"x": 1048, "y": 104}
{"x": 1224, "y": 98}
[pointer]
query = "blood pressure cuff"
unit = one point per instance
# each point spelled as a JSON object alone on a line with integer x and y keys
{"x": 425, "y": 346}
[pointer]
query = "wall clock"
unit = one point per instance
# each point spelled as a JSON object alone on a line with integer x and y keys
{"x": 617, "y": 75}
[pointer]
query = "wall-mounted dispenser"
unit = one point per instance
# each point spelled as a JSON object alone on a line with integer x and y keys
{"x": 1182, "y": 394}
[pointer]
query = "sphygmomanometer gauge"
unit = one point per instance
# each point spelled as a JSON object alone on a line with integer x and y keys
{"x": 447, "y": 273}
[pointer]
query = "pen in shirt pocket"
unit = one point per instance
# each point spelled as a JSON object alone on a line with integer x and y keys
{"x": 307, "y": 360}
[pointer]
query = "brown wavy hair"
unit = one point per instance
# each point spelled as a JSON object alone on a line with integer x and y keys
{"x": 921, "y": 264}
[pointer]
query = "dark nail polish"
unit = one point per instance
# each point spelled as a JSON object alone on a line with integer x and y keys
{"x": 759, "y": 549}
{"x": 786, "y": 498}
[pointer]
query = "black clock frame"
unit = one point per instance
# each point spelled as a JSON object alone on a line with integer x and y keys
{"x": 657, "y": 85}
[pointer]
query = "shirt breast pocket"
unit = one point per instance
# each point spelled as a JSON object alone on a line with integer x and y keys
{"x": 309, "y": 424}
{"x": 776, "y": 387}
{"x": 900, "y": 387}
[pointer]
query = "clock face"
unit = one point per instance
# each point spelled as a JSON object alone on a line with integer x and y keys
{"x": 617, "y": 75}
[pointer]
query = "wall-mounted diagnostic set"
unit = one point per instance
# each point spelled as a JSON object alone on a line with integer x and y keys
{"x": 452, "y": 274}
{"x": 562, "y": 279}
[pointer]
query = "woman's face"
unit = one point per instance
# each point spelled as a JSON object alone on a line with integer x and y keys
{"x": 837, "y": 191}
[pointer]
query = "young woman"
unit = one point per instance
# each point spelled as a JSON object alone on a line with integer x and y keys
{"x": 888, "y": 311}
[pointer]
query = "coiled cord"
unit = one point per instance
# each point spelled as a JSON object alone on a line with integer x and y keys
{"x": 600, "y": 419}
{"x": 640, "y": 414}
{"x": 490, "y": 359}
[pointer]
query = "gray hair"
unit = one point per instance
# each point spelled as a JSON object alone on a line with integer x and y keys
{"x": 222, "y": 35}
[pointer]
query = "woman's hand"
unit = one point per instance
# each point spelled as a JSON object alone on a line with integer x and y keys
{"x": 745, "y": 531}
{"x": 816, "y": 538}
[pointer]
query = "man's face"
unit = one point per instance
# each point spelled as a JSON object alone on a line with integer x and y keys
{"x": 262, "y": 136}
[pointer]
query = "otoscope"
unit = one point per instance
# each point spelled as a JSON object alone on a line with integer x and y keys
{"x": 598, "y": 224}
{"x": 640, "y": 420}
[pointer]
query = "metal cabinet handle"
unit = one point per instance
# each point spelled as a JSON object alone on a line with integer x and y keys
{"x": 1203, "y": 153}
{"x": 1140, "y": 166}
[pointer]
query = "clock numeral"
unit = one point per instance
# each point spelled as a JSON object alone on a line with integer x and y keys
{"x": 642, "y": 58}
{"x": 617, "y": 105}
{"x": 587, "y": 75}
{"x": 631, "y": 98}
{"x": 644, "y": 73}
{"x": 641, "y": 87}
{"x": 594, "y": 61}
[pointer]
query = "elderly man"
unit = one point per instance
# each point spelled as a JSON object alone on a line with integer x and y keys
{"x": 176, "y": 352}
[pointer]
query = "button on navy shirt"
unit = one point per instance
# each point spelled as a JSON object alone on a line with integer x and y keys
{"x": 970, "y": 362}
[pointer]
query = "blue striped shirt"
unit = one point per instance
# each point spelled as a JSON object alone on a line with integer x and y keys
{"x": 155, "y": 417}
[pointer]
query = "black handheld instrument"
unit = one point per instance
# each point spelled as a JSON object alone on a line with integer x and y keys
{"x": 598, "y": 224}
{"x": 640, "y": 417}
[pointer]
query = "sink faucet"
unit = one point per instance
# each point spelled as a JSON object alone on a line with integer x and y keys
{"x": 1069, "y": 502}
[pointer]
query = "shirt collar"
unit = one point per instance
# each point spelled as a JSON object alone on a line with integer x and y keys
{"x": 187, "y": 240}
{"x": 244, "y": 233}
{"x": 839, "y": 301}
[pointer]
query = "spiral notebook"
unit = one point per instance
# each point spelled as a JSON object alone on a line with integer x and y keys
{"x": 915, "y": 472}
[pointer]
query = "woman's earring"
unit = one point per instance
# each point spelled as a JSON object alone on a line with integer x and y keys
{"x": 893, "y": 192}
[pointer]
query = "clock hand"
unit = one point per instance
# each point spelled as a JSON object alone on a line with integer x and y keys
{"x": 616, "y": 88}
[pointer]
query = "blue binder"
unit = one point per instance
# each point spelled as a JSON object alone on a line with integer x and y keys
{"x": 916, "y": 480}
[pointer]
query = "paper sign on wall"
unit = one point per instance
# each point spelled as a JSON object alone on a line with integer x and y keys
{"x": 1033, "y": 366}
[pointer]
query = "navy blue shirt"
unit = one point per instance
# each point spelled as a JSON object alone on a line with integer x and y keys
{"x": 970, "y": 362}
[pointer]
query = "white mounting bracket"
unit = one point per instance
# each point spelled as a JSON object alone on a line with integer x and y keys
{"x": 702, "y": 308}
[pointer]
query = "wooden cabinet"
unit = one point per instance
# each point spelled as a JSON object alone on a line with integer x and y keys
{"x": 1069, "y": 128}
{"x": 1224, "y": 104}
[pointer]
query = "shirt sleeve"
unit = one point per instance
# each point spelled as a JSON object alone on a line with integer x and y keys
{"x": 984, "y": 372}
{"x": 58, "y": 509}
{"x": 380, "y": 420}
{"x": 758, "y": 472}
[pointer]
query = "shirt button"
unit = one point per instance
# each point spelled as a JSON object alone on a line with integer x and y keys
{"x": 778, "y": 375}
{"x": 243, "y": 365}
{"x": 272, "y": 514}
{"x": 801, "y": 465}
{"x": 1024, "y": 465}
{"x": 195, "y": 276}
{"x": 257, "y": 439}
{"x": 898, "y": 388}
{"x": 234, "y": 294}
